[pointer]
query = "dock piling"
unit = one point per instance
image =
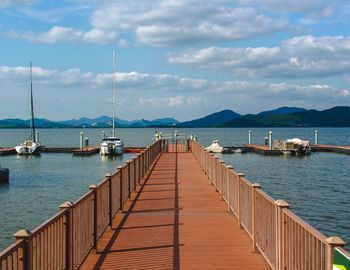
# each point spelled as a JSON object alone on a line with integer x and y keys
{"x": 81, "y": 140}
{"x": 316, "y": 137}
{"x": 249, "y": 137}
{"x": 37, "y": 137}
{"x": 270, "y": 140}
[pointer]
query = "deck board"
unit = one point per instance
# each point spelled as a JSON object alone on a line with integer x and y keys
{"x": 175, "y": 221}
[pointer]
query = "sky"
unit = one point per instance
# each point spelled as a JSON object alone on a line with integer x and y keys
{"x": 174, "y": 58}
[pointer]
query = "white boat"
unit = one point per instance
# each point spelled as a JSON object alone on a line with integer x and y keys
{"x": 112, "y": 145}
{"x": 293, "y": 146}
{"x": 30, "y": 146}
{"x": 215, "y": 147}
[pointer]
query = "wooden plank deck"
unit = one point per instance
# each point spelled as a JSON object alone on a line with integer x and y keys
{"x": 175, "y": 221}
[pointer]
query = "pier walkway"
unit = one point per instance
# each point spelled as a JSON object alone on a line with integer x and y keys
{"x": 175, "y": 221}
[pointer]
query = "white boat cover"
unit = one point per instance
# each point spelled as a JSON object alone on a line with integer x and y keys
{"x": 215, "y": 147}
{"x": 298, "y": 141}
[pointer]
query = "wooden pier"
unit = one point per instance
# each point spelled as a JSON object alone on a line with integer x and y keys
{"x": 174, "y": 206}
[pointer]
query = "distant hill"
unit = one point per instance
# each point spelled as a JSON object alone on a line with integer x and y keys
{"x": 334, "y": 117}
{"x": 40, "y": 123}
{"x": 99, "y": 122}
{"x": 283, "y": 110}
{"x": 212, "y": 120}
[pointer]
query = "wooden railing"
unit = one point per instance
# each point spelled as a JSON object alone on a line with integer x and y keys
{"x": 64, "y": 241}
{"x": 284, "y": 239}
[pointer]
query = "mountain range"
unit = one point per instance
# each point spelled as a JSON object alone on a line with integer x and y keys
{"x": 280, "y": 117}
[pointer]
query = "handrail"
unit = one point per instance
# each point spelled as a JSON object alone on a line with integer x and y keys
{"x": 284, "y": 239}
{"x": 65, "y": 240}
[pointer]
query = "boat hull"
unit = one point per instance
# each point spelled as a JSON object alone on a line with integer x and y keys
{"x": 25, "y": 149}
{"x": 108, "y": 150}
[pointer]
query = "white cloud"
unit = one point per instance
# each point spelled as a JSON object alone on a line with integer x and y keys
{"x": 299, "y": 57}
{"x": 73, "y": 93}
{"x": 171, "y": 23}
{"x": 64, "y": 34}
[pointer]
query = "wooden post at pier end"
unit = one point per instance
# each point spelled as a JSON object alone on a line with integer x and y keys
{"x": 228, "y": 168}
{"x": 254, "y": 233}
{"x": 333, "y": 242}
{"x": 94, "y": 189}
{"x": 67, "y": 206}
{"x": 239, "y": 214}
{"x": 25, "y": 236}
{"x": 281, "y": 205}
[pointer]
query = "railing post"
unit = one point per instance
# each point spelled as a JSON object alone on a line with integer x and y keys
{"x": 67, "y": 206}
{"x": 94, "y": 189}
{"x": 228, "y": 168}
{"x": 216, "y": 162}
{"x": 120, "y": 168}
{"x": 134, "y": 160}
{"x": 254, "y": 189}
{"x": 239, "y": 214}
{"x": 281, "y": 205}
{"x": 108, "y": 176}
{"x": 25, "y": 236}
{"x": 129, "y": 185}
{"x": 332, "y": 242}
{"x": 222, "y": 165}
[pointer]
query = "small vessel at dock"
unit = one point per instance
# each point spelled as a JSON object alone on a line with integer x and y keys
{"x": 30, "y": 146}
{"x": 112, "y": 145}
{"x": 215, "y": 147}
{"x": 293, "y": 146}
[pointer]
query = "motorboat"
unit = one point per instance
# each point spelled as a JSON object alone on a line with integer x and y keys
{"x": 293, "y": 146}
{"x": 30, "y": 146}
{"x": 112, "y": 145}
{"x": 215, "y": 147}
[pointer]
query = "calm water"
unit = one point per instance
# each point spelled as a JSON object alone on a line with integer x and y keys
{"x": 317, "y": 187}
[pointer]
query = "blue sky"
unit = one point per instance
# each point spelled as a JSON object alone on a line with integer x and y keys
{"x": 175, "y": 58}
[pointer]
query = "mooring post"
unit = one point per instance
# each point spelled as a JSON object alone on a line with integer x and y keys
{"x": 239, "y": 214}
{"x": 316, "y": 137}
{"x": 37, "y": 137}
{"x": 86, "y": 142}
{"x": 103, "y": 135}
{"x": 81, "y": 140}
{"x": 333, "y": 242}
{"x": 281, "y": 205}
{"x": 24, "y": 235}
{"x": 270, "y": 140}
{"x": 255, "y": 186}
{"x": 229, "y": 169}
{"x": 67, "y": 206}
{"x": 249, "y": 137}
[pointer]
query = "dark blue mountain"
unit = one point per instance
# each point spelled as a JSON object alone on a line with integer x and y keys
{"x": 212, "y": 120}
{"x": 283, "y": 110}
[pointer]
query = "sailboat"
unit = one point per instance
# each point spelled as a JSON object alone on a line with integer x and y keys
{"x": 112, "y": 145}
{"x": 30, "y": 146}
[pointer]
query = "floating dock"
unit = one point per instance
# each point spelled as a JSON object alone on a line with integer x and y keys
{"x": 262, "y": 149}
{"x": 86, "y": 151}
{"x": 331, "y": 148}
{"x": 7, "y": 151}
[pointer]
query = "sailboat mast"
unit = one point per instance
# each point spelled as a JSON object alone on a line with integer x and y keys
{"x": 113, "y": 97}
{"x": 32, "y": 104}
